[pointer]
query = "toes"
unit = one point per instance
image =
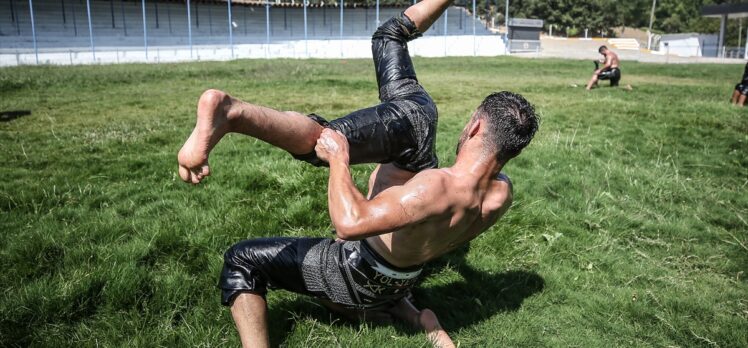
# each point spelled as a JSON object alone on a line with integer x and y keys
{"x": 195, "y": 179}
{"x": 184, "y": 174}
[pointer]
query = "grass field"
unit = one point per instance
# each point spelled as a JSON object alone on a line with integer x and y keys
{"x": 629, "y": 226}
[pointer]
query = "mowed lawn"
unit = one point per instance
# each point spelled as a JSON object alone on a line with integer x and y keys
{"x": 629, "y": 226}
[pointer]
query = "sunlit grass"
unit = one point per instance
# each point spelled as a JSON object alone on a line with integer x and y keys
{"x": 629, "y": 226}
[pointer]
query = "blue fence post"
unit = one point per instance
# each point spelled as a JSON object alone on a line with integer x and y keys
{"x": 377, "y": 13}
{"x": 122, "y": 9}
{"x": 342, "y": 4}
{"x": 33, "y": 31}
{"x": 90, "y": 29}
{"x": 306, "y": 38}
{"x": 267, "y": 28}
{"x": 145, "y": 32}
{"x": 474, "y": 20}
{"x": 189, "y": 27}
{"x": 231, "y": 31}
{"x": 446, "y": 12}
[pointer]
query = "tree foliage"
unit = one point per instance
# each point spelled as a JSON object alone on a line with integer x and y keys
{"x": 571, "y": 17}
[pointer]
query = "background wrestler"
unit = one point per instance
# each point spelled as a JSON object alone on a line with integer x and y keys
{"x": 609, "y": 71}
{"x": 741, "y": 89}
{"x": 405, "y": 225}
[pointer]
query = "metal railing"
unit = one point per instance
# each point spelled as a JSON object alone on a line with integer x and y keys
{"x": 118, "y": 44}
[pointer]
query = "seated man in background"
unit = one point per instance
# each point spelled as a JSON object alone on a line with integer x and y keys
{"x": 609, "y": 71}
{"x": 741, "y": 89}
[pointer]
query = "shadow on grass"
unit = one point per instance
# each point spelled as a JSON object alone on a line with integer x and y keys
{"x": 7, "y": 116}
{"x": 460, "y": 304}
{"x": 478, "y": 295}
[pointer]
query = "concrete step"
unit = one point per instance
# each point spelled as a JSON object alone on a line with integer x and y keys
{"x": 624, "y": 44}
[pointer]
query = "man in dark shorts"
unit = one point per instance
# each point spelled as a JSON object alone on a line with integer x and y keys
{"x": 609, "y": 71}
{"x": 413, "y": 213}
{"x": 741, "y": 89}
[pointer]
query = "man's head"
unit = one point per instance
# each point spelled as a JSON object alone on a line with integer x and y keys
{"x": 602, "y": 50}
{"x": 507, "y": 124}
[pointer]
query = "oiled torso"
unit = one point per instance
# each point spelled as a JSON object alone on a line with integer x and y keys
{"x": 472, "y": 211}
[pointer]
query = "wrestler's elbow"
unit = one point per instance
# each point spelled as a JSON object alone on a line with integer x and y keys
{"x": 348, "y": 229}
{"x": 349, "y": 235}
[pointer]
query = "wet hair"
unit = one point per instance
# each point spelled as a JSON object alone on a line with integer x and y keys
{"x": 511, "y": 123}
{"x": 603, "y": 47}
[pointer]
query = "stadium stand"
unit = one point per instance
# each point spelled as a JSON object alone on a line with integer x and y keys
{"x": 117, "y": 23}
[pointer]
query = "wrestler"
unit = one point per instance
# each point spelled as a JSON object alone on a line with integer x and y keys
{"x": 609, "y": 71}
{"x": 741, "y": 89}
{"x": 384, "y": 241}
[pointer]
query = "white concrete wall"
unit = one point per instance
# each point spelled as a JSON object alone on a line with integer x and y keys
{"x": 687, "y": 47}
{"x": 433, "y": 46}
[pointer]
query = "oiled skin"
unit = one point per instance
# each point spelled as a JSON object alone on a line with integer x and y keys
{"x": 426, "y": 216}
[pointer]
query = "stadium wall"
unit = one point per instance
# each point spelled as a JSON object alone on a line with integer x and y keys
{"x": 62, "y": 32}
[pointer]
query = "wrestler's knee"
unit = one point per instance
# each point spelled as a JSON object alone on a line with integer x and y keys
{"x": 239, "y": 253}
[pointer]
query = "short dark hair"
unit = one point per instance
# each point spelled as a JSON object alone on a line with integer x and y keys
{"x": 511, "y": 122}
{"x": 600, "y": 50}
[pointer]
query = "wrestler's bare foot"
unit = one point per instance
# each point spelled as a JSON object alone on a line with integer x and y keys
{"x": 436, "y": 334}
{"x": 211, "y": 126}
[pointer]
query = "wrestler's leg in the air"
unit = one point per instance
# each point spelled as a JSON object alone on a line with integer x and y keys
{"x": 250, "y": 315}
{"x": 423, "y": 15}
{"x": 219, "y": 114}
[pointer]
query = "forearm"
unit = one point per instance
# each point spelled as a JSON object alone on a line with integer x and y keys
{"x": 608, "y": 64}
{"x": 344, "y": 198}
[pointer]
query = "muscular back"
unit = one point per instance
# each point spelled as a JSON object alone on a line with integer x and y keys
{"x": 462, "y": 209}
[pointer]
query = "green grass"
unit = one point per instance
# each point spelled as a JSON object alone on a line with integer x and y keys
{"x": 629, "y": 226}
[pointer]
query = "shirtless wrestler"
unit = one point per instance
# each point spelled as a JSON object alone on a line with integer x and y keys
{"x": 610, "y": 70}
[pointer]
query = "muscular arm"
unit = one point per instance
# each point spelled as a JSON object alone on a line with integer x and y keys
{"x": 355, "y": 217}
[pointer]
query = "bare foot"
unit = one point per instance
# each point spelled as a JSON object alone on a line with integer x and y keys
{"x": 428, "y": 321}
{"x": 211, "y": 126}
